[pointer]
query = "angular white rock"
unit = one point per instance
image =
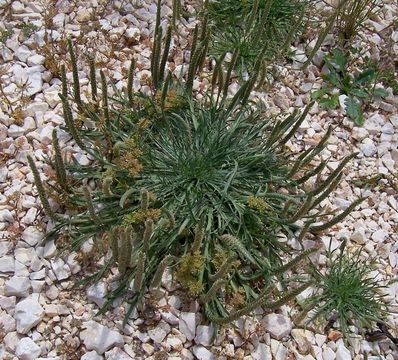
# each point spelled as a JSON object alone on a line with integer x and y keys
{"x": 132, "y": 34}
{"x": 61, "y": 270}
{"x": 49, "y": 249}
{"x": 117, "y": 354}
{"x": 30, "y": 216}
{"x": 304, "y": 339}
{"x": 281, "y": 101}
{"x": 277, "y": 325}
{"x": 7, "y": 322}
{"x": 20, "y": 75}
{"x": 27, "y": 349}
{"x": 35, "y": 83}
{"x": 28, "y": 313}
{"x": 22, "y": 53}
{"x": 379, "y": 236}
{"x": 7, "y": 303}
{"x": 263, "y": 352}
{"x": 35, "y": 107}
{"x": 17, "y": 286}
{"x": 159, "y": 332}
{"x": 36, "y": 59}
{"x": 100, "y": 338}
{"x": 91, "y": 355}
{"x": 83, "y": 15}
{"x": 359, "y": 236}
{"x": 202, "y": 353}
{"x": 174, "y": 342}
{"x": 187, "y": 324}
{"x": 46, "y": 135}
{"x": 11, "y": 341}
{"x": 7, "y": 264}
{"x": 328, "y": 354}
{"x": 278, "y": 351}
{"x": 343, "y": 353}
{"x": 96, "y": 293}
{"x": 6, "y": 215}
{"x": 368, "y": 149}
{"x": 204, "y": 335}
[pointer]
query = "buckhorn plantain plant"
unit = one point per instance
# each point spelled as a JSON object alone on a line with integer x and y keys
{"x": 204, "y": 187}
{"x": 347, "y": 18}
{"x": 254, "y": 27}
{"x": 353, "y": 17}
{"x": 348, "y": 293}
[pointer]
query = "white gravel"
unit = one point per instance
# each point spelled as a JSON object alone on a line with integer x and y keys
{"x": 41, "y": 316}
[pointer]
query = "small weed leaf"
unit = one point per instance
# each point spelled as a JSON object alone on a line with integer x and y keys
{"x": 364, "y": 77}
{"x": 359, "y": 89}
{"x": 330, "y": 102}
{"x": 380, "y": 92}
{"x": 354, "y": 110}
{"x": 339, "y": 60}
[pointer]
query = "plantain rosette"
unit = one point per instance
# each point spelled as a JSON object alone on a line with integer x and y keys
{"x": 205, "y": 187}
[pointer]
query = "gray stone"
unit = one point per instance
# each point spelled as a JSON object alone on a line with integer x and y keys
{"x": 22, "y": 53}
{"x": 187, "y": 324}
{"x": 263, "y": 352}
{"x": 61, "y": 270}
{"x": 28, "y": 313}
{"x": 159, "y": 332}
{"x": 27, "y": 349}
{"x": 6, "y": 215}
{"x": 202, "y": 353}
{"x": 343, "y": 353}
{"x": 303, "y": 339}
{"x": 100, "y": 338}
{"x": 7, "y": 322}
{"x": 36, "y": 59}
{"x": 11, "y": 341}
{"x": 7, "y": 303}
{"x": 306, "y": 87}
{"x": 368, "y": 149}
{"x": 7, "y": 264}
{"x": 31, "y": 235}
{"x": 91, "y": 355}
{"x": 117, "y": 354}
{"x": 277, "y": 325}
{"x": 278, "y": 351}
{"x": 49, "y": 249}
{"x": 17, "y": 286}
{"x": 204, "y": 335}
{"x": 96, "y": 293}
{"x": 281, "y": 101}
{"x": 35, "y": 84}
